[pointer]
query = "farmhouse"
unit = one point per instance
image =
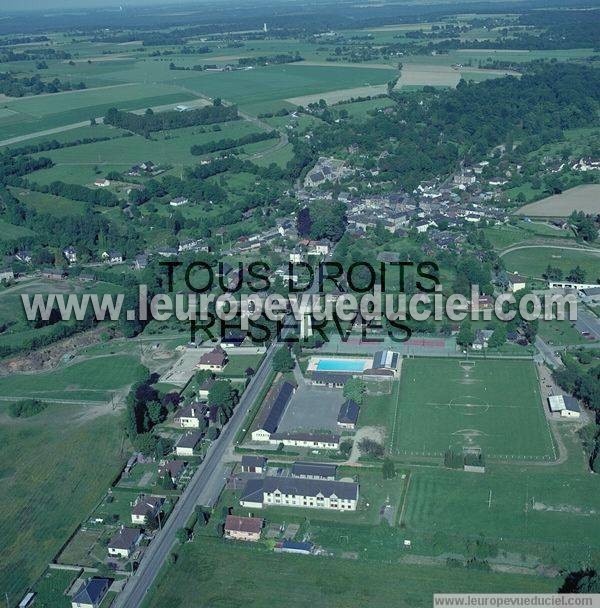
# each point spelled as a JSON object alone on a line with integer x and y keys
{"x": 243, "y": 528}
{"x": 321, "y": 441}
{"x": 348, "y": 416}
{"x": 215, "y": 360}
{"x": 565, "y": 404}
{"x": 54, "y": 274}
{"x": 23, "y": 255}
{"x": 187, "y": 443}
{"x": 275, "y": 404}
{"x": 91, "y": 594}
{"x": 314, "y": 470}
{"x": 179, "y": 201}
{"x": 191, "y": 416}
{"x": 101, "y": 183}
{"x": 146, "y": 509}
{"x": 254, "y": 464}
{"x": 124, "y": 542}
{"x": 307, "y": 493}
{"x": 112, "y": 257}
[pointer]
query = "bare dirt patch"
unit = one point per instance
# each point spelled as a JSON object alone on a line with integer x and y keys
{"x": 581, "y": 198}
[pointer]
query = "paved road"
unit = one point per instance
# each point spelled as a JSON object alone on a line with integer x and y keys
{"x": 204, "y": 489}
{"x": 548, "y": 353}
{"x": 586, "y": 321}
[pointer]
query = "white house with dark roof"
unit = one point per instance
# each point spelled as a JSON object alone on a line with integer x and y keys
{"x": 124, "y": 543}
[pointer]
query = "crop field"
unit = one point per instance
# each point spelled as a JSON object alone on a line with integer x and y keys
{"x": 492, "y": 406}
{"x": 55, "y": 468}
{"x": 267, "y": 88}
{"x": 212, "y": 572}
{"x": 533, "y": 261}
{"x": 48, "y": 203}
{"x": 91, "y": 380}
{"x": 582, "y": 198}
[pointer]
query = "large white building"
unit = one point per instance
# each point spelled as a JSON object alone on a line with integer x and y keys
{"x": 300, "y": 492}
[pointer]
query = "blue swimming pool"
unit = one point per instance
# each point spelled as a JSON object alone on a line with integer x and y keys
{"x": 341, "y": 365}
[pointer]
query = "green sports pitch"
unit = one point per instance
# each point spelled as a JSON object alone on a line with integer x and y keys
{"x": 492, "y": 406}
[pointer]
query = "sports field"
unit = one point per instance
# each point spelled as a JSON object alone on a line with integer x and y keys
{"x": 492, "y": 406}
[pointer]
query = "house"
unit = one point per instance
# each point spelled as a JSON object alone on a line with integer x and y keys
{"x": 424, "y": 225}
{"x": 54, "y": 274}
{"x": 214, "y": 360}
{"x": 172, "y": 468}
{"x": 179, "y": 201}
{"x": 272, "y": 411}
{"x": 205, "y": 387}
{"x": 101, "y": 183}
{"x": 112, "y": 257}
{"x": 146, "y": 509}
{"x": 140, "y": 262}
{"x": 87, "y": 277}
{"x": 91, "y": 594}
{"x": 293, "y": 546}
{"x": 187, "y": 443}
{"x": 191, "y": 416}
{"x": 70, "y": 254}
{"x": 314, "y": 470}
{"x": 307, "y": 493}
{"x": 516, "y": 282}
{"x": 316, "y": 441}
{"x": 254, "y": 464}
{"x": 233, "y": 338}
{"x": 243, "y": 528}
{"x": 565, "y": 404}
{"x": 6, "y": 274}
{"x": 124, "y": 542}
{"x": 348, "y": 416}
{"x": 166, "y": 252}
{"x": 23, "y": 255}
{"x": 322, "y": 247}
{"x": 296, "y": 256}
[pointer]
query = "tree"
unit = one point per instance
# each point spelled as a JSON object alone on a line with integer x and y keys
{"x": 577, "y": 274}
{"x": 346, "y": 447}
{"x": 213, "y": 433}
{"x": 304, "y": 222}
{"x": 465, "y": 335}
{"x": 183, "y": 535}
{"x": 370, "y": 447}
{"x": 282, "y": 360}
{"x": 221, "y": 394}
{"x": 388, "y": 469}
{"x": 355, "y": 389}
{"x": 498, "y": 338}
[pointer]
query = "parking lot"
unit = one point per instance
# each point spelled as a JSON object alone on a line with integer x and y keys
{"x": 312, "y": 408}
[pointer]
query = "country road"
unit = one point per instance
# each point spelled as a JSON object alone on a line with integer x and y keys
{"x": 542, "y": 246}
{"x": 203, "y": 489}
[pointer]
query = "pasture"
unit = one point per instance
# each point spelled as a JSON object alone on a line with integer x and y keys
{"x": 581, "y": 198}
{"x": 55, "y": 467}
{"x": 533, "y": 261}
{"x": 493, "y": 406}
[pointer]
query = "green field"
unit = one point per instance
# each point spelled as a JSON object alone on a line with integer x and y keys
{"x": 91, "y": 380}
{"x": 493, "y": 406}
{"x": 533, "y": 261}
{"x": 211, "y": 573}
{"x": 55, "y": 467}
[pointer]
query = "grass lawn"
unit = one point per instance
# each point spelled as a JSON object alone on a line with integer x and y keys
{"x": 55, "y": 467}
{"x": 238, "y": 364}
{"x": 494, "y": 406}
{"x": 560, "y": 332}
{"x": 532, "y": 262}
{"x": 91, "y": 380}
{"x": 213, "y": 573}
{"x": 50, "y": 589}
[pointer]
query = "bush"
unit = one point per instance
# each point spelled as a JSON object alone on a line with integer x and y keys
{"x": 26, "y": 408}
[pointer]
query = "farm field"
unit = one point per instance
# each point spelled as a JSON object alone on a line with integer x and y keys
{"x": 533, "y": 261}
{"x": 66, "y": 460}
{"x": 582, "y": 198}
{"x": 91, "y": 380}
{"x": 211, "y": 572}
{"x": 492, "y": 406}
{"x": 78, "y": 164}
